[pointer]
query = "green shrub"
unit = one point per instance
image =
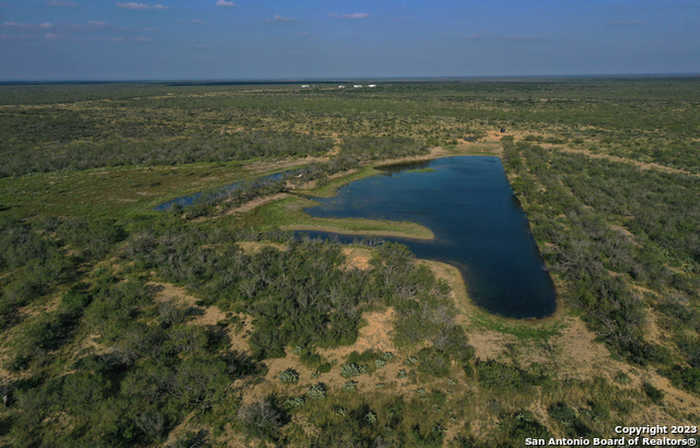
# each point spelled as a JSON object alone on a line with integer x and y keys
{"x": 433, "y": 362}
{"x": 317, "y": 391}
{"x": 289, "y": 376}
{"x": 684, "y": 377}
{"x": 263, "y": 419}
{"x": 351, "y": 369}
{"x": 653, "y": 393}
{"x": 495, "y": 375}
{"x": 520, "y": 425}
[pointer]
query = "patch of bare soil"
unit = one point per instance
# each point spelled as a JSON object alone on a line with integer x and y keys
{"x": 90, "y": 343}
{"x": 211, "y": 315}
{"x": 35, "y": 309}
{"x": 686, "y": 403}
{"x": 495, "y": 135}
{"x": 179, "y": 430}
{"x": 228, "y": 130}
{"x": 652, "y": 332}
{"x": 357, "y": 258}
{"x": 375, "y": 335}
{"x": 250, "y": 205}
{"x": 254, "y": 247}
{"x": 240, "y": 334}
{"x": 580, "y": 355}
{"x": 172, "y": 293}
{"x": 489, "y": 344}
{"x": 643, "y": 290}
{"x": 271, "y": 383}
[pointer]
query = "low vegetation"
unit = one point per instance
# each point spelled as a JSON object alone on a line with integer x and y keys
{"x": 214, "y": 326}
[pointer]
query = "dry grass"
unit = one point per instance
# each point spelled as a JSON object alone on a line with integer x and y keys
{"x": 418, "y": 231}
{"x": 175, "y": 294}
{"x": 376, "y": 334}
{"x": 251, "y": 205}
{"x": 580, "y": 356}
{"x": 357, "y": 258}
{"x": 211, "y": 315}
{"x": 489, "y": 344}
{"x": 254, "y": 247}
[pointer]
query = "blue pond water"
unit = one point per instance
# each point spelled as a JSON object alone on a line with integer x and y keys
{"x": 186, "y": 201}
{"x": 479, "y": 227}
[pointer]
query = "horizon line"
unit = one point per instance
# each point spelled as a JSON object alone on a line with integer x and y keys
{"x": 9, "y": 81}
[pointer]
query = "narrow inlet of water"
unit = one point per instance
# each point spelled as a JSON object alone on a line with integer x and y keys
{"x": 189, "y": 200}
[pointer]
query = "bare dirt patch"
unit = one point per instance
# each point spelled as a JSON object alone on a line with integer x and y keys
{"x": 683, "y": 401}
{"x": 90, "y": 343}
{"x": 240, "y": 334}
{"x": 251, "y": 205}
{"x": 357, "y": 258}
{"x": 580, "y": 356}
{"x": 211, "y": 315}
{"x": 254, "y": 247}
{"x": 271, "y": 383}
{"x": 172, "y": 293}
{"x": 375, "y": 335}
{"x": 489, "y": 344}
{"x": 652, "y": 332}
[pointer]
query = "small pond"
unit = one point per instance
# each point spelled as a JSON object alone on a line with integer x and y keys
{"x": 479, "y": 227}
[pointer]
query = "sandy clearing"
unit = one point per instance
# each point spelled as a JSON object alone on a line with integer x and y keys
{"x": 254, "y": 247}
{"x": 357, "y": 257}
{"x": 376, "y": 334}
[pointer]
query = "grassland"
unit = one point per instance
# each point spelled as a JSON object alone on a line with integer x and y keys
{"x": 287, "y": 214}
{"x": 211, "y": 326}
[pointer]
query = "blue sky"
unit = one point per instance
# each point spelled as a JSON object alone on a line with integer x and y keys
{"x": 258, "y": 39}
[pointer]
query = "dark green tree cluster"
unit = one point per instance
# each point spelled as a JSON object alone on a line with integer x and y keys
{"x": 151, "y": 368}
{"x": 35, "y": 258}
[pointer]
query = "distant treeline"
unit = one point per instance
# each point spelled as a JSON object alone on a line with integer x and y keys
{"x": 53, "y": 127}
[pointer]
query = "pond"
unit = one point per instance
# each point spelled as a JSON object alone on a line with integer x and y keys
{"x": 479, "y": 227}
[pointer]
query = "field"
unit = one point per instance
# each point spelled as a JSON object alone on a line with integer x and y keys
{"x": 212, "y": 326}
